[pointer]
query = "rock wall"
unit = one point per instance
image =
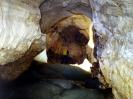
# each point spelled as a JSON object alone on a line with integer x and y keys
{"x": 19, "y": 34}
{"x": 113, "y": 22}
{"x": 52, "y": 11}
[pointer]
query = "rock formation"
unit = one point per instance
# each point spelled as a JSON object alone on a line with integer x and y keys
{"x": 20, "y": 36}
{"x": 113, "y": 21}
{"x": 113, "y": 25}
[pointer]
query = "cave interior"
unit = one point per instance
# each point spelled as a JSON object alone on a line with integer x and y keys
{"x": 57, "y": 75}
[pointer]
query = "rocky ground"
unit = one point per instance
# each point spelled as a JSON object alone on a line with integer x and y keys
{"x": 34, "y": 84}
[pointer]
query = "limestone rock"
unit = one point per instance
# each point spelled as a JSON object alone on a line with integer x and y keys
{"x": 66, "y": 22}
{"x": 53, "y": 11}
{"x": 19, "y": 29}
{"x": 113, "y": 21}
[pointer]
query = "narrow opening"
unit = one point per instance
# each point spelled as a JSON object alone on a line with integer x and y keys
{"x": 69, "y": 48}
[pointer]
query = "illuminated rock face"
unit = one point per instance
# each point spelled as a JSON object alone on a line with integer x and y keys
{"x": 19, "y": 28}
{"x": 63, "y": 21}
{"x": 113, "y": 21}
{"x": 70, "y": 37}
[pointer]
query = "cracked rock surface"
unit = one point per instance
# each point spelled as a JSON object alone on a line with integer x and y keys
{"x": 113, "y": 21}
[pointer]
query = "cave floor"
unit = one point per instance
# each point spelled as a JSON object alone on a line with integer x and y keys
{"x": 35, "y": 85}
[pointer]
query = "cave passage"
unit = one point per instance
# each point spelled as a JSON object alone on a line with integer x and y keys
{"x": 70, "y": 41}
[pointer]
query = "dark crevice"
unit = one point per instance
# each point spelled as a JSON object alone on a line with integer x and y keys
{"x": 100, "y": 42}
{"x": 63, "y": 59}
{"x": 69, "y": 38}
